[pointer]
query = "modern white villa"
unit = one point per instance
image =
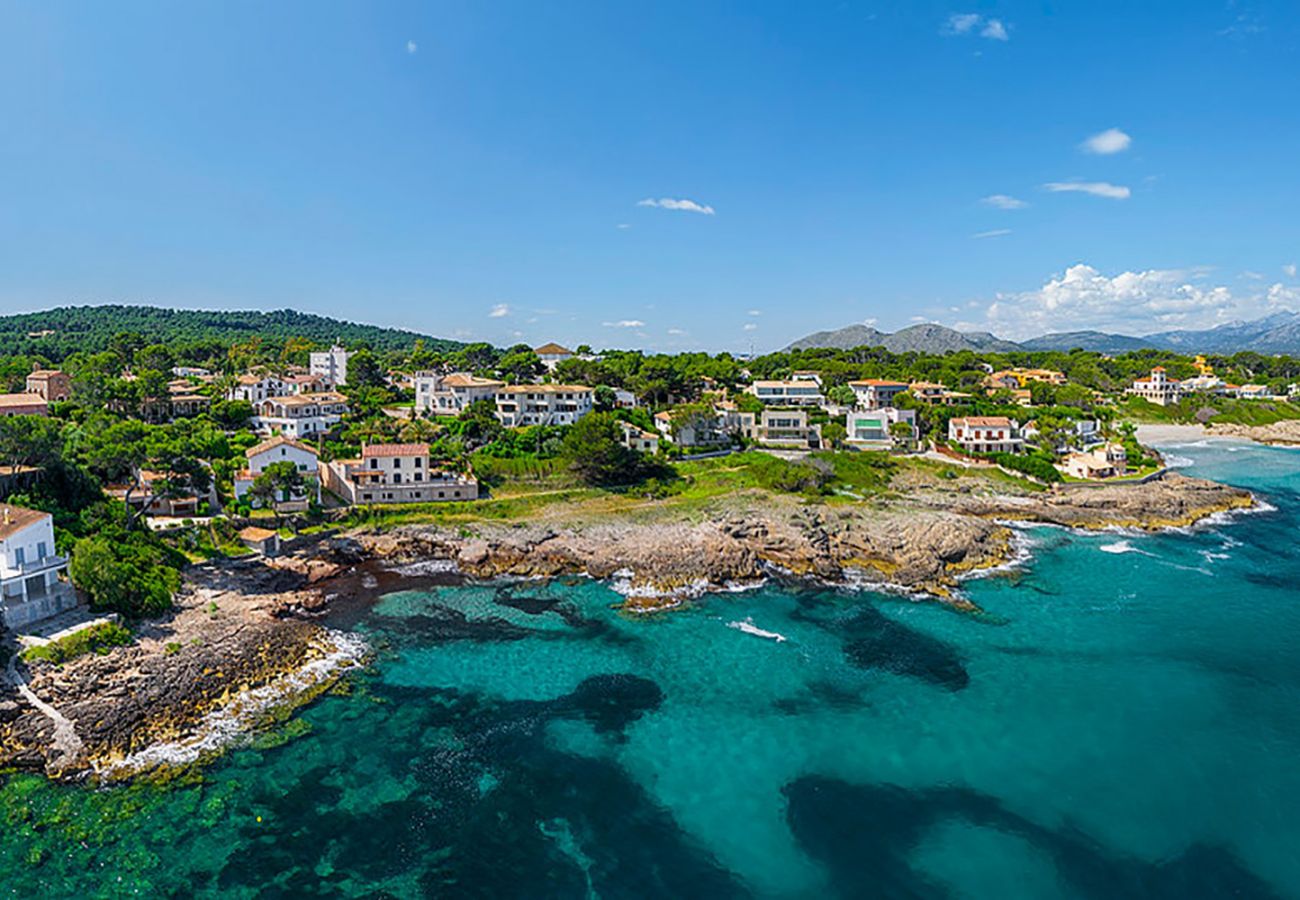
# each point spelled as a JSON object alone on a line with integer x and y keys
{"x": 874, "y": 428}
{"x": 787, "y": 428}
{"x": 33, "y": 578}
{"x": 792, "y": 392}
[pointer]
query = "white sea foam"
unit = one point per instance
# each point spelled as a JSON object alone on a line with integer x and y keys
{"x": 224, "y": 726}
{"x": 748, "y": 627}
{"x": 1118, "y": 547}
{"x": 1175, "y": 461}
{"x": 427, "y": 567}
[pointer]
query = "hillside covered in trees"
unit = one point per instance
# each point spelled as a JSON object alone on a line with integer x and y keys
{"x": 54, "y": 334}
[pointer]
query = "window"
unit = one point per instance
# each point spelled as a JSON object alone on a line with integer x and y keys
{"x": 418, "y": 462}
{"x": 397, "y": 463}
{"x": 365, "y": 496}
{"x": 20, "y": 556}
{"x": 419, "y": 476}
{"x": 397, "y": 478}
{"x": 374, "y": 463}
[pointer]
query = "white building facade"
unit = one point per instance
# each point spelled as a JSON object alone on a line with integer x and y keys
{"x": 519, "y": 406}
{"x": 299, "y": 415}
{"x": 33, "y": 578}
{"x": 449, "y": 395}
{"x": 331, "y": 365}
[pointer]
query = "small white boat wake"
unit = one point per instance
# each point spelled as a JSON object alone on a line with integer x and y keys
{"x": 748, "y": 626}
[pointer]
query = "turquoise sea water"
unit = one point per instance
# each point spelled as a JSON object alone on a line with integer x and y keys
{"x": 1124, "y": 722}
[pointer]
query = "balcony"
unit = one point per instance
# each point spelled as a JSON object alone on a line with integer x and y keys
{"x": 35, "y": 566}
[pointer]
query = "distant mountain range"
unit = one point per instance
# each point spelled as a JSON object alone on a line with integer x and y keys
{"x": 1278, "y": 333}
{"x": 927, "y": 338}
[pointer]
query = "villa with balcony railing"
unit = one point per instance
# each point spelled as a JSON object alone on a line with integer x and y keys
{"x": 33, "y": 578}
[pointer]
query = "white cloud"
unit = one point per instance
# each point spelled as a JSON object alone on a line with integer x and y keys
{"x": 622, "y": 226}
{"x": 412, "y": 46}
{"x": 1112, "y": 140}
{"x": 750, "y": 326}
{"x": 625, "y": 323}
{"x": 682, "y": 205}
{"x": 959, "y": 24}
{"x": 994, "y": 30}
{"x": 1004, "y": 201}
{"x": 677, "y": 332}
{"x": 500, "y": 311}
{"x": 1290, "y": 270}
{"x": 1095, "y": 188}
{"x": 996, "y": 232}
{"x": 754, "y": 312}
{"x": 1083, "y": 298}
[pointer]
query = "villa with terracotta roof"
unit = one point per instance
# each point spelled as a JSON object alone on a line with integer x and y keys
{"x": 1020, "y": 379}
{"x": 395, "y": 473}
{"x": 985, "y": 434}
{"x": 300, "y": 415}
{"x": 255, "y": 388}
{"x": 450, "y": 395}
{"x": 636, "y": 439}
{"x": 50, "y": 384}
{"x": 277, "y": 450}
{"x": 521, "y": 405}
{"x": 552, "y": 355}
{"x": 23, "y": 405}
{"x": 876, "y": 393}
{"x": 33, "y": 577}
{"x": 936, "y": 393}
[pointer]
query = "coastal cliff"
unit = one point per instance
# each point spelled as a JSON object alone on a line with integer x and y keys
{"x": 245, "y": 638}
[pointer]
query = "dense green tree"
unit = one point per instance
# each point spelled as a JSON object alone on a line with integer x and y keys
{"x": 594, "y": 451}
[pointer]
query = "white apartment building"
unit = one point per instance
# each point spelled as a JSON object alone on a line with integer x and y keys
{"x": 256, "y": 388}
{"x": 1159, "y": 388}
{"x": 277, "y": 450}
{"x": 299, "y": 415}
{"x": 449, "y": 395}
{"x": 794, "y": 392}
{"x": 876, "y": 393}
{"x": 985, "y": 434}
{"x": 33, "y": 578}
{"x": 552, "y": 355}
{"x": 395, "y": 473}
{"x": 522, "y": 405}
{"x": 636, "y": 439}
{"x": 331, "y": 365}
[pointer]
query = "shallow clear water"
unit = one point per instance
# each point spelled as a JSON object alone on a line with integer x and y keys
{"x": 1123, "y": 722}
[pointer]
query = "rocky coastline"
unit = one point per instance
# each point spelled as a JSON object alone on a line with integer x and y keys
{"x": 251, "y": 629}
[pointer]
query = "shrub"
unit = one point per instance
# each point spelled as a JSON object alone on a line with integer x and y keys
{"x": 99, "y": 639}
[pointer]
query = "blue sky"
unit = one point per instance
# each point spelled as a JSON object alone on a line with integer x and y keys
{"x": 478, "y": 170}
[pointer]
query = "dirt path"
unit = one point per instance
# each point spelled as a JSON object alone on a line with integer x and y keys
{"x": 66, "y": 742}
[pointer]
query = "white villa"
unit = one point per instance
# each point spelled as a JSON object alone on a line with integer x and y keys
{"x": 787, "y": 428}
{"x": 1158, "y": 388}
{"x": 718, "y": 427}
{"x": 256, "y": 388}
{"x": 299, "y": 415}
{"x": 793, "y": 392}
{"x": 449, "y": 395}
{"x": 395, "y": 473}
{"x": 276, "y": 450}
{"x": 874, "y": 428}
{"x": 1106, "y": 461}
{"x": 552, "y": 355}
{"x": 876, "y": 393}
{"x": 331, "y": 365}
{"x": 636, "y": 439}
{"x": 33, "y": 578}
{"x": 543, "y": 404}
{"x": 985, "y": 434}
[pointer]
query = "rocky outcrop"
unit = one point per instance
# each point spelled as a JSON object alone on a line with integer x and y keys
{"x": 218, "y": 646}
{"x": 1285, "y": 433}
{"x": 1173, "y": 501}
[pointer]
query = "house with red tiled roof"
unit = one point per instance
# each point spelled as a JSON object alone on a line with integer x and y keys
{"x": 449, "y": 395}
{"x": 281, "y": 449}
{"x": 395, "y": 473}
{"x": 985, "y": 434}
